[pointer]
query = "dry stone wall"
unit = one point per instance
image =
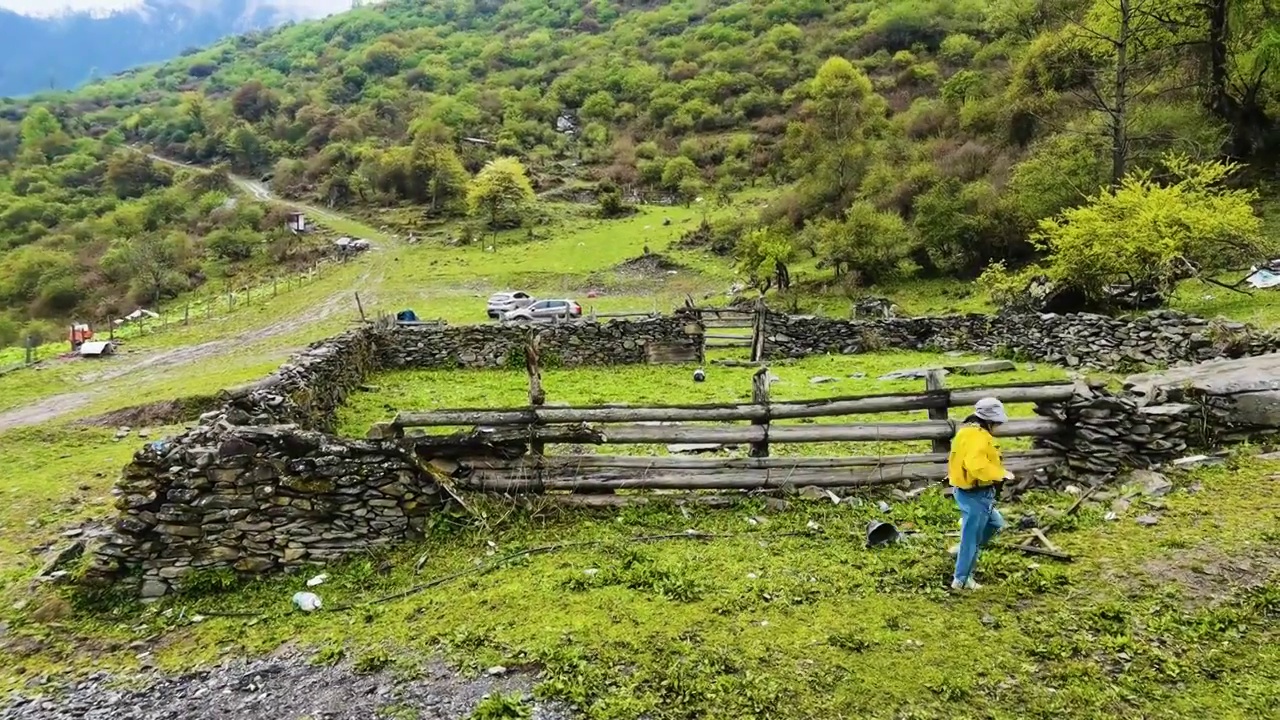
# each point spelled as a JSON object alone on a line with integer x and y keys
{"x": 569, "y": 344}
{"x": 255, "y": 499}
{"x": 258, "y": 484}
{"x": 1077, "y": 340}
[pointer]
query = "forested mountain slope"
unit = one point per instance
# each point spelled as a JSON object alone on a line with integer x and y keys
{"x": 903, "y": 137}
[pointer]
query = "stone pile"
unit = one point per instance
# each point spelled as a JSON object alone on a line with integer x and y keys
{"x": 568, "y": 344}
{"x": 1077, "y": 340}
{"x": 306, "y": 390}
{"x": 1110, "y": 433}
{"x": 256, "y": 499}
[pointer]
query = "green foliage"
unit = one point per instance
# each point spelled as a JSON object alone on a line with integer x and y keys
{"x": 763, "y": 255}
{"x": 502, "y": 707}
{"x": 871, "y": 245}
{"x": 501, "y": 194}
{"x": 1150, "y": 234}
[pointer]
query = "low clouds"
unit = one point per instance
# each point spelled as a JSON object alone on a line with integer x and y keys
{"x": 287, "y": 8}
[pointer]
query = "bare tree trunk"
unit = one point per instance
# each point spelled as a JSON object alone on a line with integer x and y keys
{"x": 1119, "y": 118}
{"x": 1217, "y": 100}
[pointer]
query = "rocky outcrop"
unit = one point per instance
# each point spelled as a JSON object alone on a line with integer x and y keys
{"x": 1078, "y": 340}
{"x": 569, "y": 344}
{"x": 255, "y": 499}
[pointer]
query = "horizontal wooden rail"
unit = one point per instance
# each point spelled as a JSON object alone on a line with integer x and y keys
{"x": 732, "y": 478}
{"x": 570, "y": 465}
{"x": 829, "y": 407}
{"x": 744, "y": 434}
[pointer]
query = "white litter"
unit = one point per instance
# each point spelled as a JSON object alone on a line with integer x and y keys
{"x": 307, "y": 602}
{"x": 317, "y": 580}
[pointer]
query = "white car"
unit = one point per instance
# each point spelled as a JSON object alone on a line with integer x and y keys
{"x": 546, "y": 311}
{"x": 504, "y": 302}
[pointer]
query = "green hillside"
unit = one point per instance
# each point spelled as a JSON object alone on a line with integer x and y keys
{"x": 899, "y": 139}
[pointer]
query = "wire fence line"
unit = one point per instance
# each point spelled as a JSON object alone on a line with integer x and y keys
{"x": 204, "y": 306}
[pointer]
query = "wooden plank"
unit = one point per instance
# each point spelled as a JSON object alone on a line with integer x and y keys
{"x": 764, "y": 479}
{"x": 561, "y": 464}
{"x": 831, "y": 407}
{"x": 742, "y": 435}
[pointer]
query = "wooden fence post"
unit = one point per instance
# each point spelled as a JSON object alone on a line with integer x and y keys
{"x": 758, "y": 331}
{"x": 31, "y": 350}
{"x": 760, "y": 396}
{"x": 933, "y": 382}
{"x": 360, "y": 307}
{"x": 186, "y": 314}
{"x": 537, "y": 396}
{"x": 111, "y": 328}
{"x": 231, "y": 300}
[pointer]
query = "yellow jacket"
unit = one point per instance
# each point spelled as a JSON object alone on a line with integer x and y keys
{"x": 975, "y": 461}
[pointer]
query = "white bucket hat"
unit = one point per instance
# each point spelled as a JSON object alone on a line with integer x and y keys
{"x": 991, "y": 410}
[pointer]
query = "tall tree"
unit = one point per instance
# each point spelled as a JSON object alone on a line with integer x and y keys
{"x": 501, "y": 193}
{"x": 1135, "y": 49}
{"x": 841, "y": 110}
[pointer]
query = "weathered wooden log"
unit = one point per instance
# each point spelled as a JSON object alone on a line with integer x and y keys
{"x": 569, "y": 464}
{"x": 729, "y": 435}
{"x": 738, "y": 479}
{"x": 829, "y": 407}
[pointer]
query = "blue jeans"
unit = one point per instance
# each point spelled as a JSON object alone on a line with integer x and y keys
{"x": 979, "y": 522}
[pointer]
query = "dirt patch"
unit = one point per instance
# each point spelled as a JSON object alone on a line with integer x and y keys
{"x": 651, "y": 264}
{"x": 164, "y": 412}
{"x": 1206, "y": 575}
{"x": 285, "y": 686}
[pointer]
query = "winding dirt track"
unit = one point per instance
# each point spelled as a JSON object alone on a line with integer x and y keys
{"x": 54, "y": 407}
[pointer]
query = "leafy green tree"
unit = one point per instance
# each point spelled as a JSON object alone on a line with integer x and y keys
{"x": 871, "y": 245}
{"x": 677, "y": 170}
{"x": 1150, "y": 234}
{"x": 150, "y": 262}
{"x": 131, "y": 174}
{"x": 840, "y": 112}
{"x": 763, "y": 255}
{"x": 501, "y": 193}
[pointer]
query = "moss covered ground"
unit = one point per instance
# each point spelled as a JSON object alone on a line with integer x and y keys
{"x": 773, "y": 612}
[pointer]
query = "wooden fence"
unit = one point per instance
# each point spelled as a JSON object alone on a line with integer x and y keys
{"x": 495, "y": 454}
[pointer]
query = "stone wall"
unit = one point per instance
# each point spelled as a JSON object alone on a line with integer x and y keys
{"x": 256, "y": 499}
{"x": 258, "y": 485}
{"x": 1078, "y": 340}
{"x": 569, "y": 344}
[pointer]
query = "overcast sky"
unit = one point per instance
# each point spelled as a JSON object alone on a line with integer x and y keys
{"x": 53, "y": 7}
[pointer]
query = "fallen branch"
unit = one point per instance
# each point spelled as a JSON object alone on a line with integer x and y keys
{"x": 1033, "y": 550}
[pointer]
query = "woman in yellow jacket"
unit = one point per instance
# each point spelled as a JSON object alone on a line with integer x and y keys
{"x": 974, "y": 469}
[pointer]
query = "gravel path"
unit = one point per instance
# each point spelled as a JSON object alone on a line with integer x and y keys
{"x": 287, "y": 687}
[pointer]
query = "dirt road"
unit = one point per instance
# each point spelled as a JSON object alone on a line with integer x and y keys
{"x": 97, "y": 384}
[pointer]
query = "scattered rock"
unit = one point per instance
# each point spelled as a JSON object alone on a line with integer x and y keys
{"x": 777, "y": 505}
{"x": 985, "y": 367}
{"x": 1147, "y": 520}
{"x": 911, "y": 374}
{"x": 1153, "y": 483}
{"x": 822, "y": 380}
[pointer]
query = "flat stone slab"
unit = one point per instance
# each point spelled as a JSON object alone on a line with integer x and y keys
{"x": 912, "y": 374}
{"x": 1253, "y": 383}
{"x": 985, "y": 367}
